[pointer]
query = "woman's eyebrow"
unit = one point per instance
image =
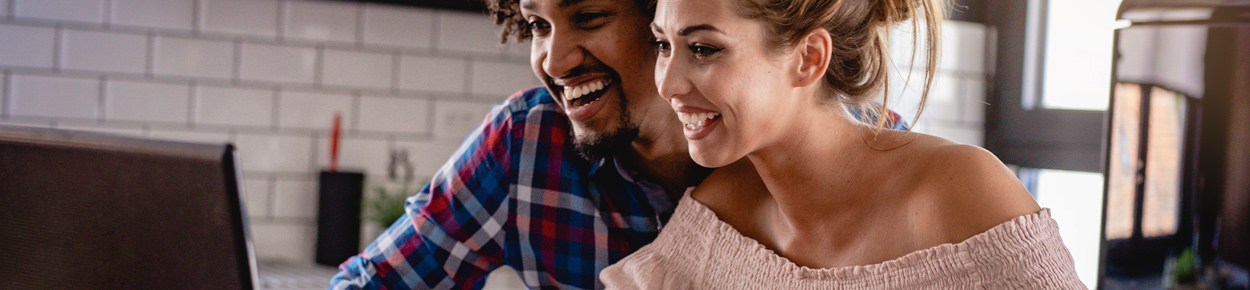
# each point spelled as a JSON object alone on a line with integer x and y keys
{"x": 689, "y": 29}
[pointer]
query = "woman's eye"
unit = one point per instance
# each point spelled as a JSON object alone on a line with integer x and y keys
{"x": 661, "y": 46}
{"x": 703, "y": 50}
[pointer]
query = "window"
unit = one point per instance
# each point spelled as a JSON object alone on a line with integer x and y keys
{"x": 1076, "y": 67}
{"x": 1074, "y": 199}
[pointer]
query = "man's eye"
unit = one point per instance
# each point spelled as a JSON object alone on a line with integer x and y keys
{"x": 703, "y": 50}
{"x": 590, "y": 19}
{"x": 539, "y": 27}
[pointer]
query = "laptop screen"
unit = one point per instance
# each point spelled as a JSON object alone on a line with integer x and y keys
{"x": 87, "y": 211}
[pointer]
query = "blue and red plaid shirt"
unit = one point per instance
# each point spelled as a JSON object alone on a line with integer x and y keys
{"x": 516, "y": 194}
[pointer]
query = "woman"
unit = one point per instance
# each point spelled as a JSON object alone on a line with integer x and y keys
{"x": 841, "y": 204}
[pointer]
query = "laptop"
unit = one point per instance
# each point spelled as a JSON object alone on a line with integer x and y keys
{"x": 92, "y": 211}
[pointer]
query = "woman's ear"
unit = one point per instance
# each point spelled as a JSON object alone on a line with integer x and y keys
{"x": 814, "y": 53}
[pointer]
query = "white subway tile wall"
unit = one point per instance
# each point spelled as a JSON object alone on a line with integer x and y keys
{"x": 256, "y": 194}
{"x": 313, "y": 110}
{"x": 240, "y": 17}
{"x": 274, "y": 153}
{"x": 454, "y": 120}
{"x": 234, "y": 106}
{"x": 358, "y": 69}
{"x": 150, "y": 102}
{"x": 461, "y": 31}
{"x": 27, "y": 46}
{"x": 268, "y": 75}
{"x": 295, "y": 199}
{"x": 104, "y": 51}
{"x": 166, "y": 14}
{"x": 284, "y": 240}
{"x": 492, "y": 78}
{"x": 274, "y": 63}
{"x": 432, "y": 74}
{"x": 385, "y": 25}
{"x": 86, "y": 11}
{"x": 321, "y": 21}
{"x": 53, "y": 97}
{"x": 359, "y": 154}
{"x": 394, "y": 115}
{"x": 193, "y": 58}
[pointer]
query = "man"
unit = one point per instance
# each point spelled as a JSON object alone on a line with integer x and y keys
{"x": 558, "y": 182}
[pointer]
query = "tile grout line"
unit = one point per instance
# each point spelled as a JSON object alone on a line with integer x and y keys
{"x": 57, "y": 47}
{"x": 355, "y": 110}
{"x": 435, "y": 15}
{"x": 360, "y": 25}
{"x": 396, "y": 61}
{"x": 468, "y": 76}
{"x": 269, "y": 196}
{"x": 5, "y": 95}
{"x": 319, "y": 62}
{"x": 276, "y": 102}
{"x": 430, "y": 118}
{"x": 100, "y": 100}
{"x": 237, "y": 64}
{"x": 281, "y": 27}
{"x": 148, "y": 67}
{"x": 108, "y": 14}
{"x": 193, "y": 96}
{"x": 195, "y": 17}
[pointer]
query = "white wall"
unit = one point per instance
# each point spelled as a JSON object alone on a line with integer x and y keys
{"x": 267, "y": 75}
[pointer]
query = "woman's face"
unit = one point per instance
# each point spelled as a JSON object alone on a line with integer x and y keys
{"x": 717, "y": 71}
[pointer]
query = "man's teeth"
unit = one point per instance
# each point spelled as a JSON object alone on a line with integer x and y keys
{"x": 572, "y": 93}
{"x": 696, "y": 121}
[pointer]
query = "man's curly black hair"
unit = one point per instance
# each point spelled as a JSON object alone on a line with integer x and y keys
{"x": 507, "y": 14}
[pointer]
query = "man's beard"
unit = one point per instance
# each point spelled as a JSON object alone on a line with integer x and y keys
{"x": 600, "y": 146}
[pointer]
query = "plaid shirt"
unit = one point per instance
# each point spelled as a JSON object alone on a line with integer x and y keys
{"x": 516, "y": 194}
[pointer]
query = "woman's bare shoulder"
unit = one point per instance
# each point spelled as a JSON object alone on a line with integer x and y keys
{"x": 968, "y": 190}
{"x": 733, "y": 188}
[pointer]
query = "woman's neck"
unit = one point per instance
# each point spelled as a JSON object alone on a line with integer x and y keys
{"x": 815, "y": 174}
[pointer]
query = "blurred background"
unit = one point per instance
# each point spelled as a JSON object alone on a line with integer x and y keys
{"x": 1029, "y": 80}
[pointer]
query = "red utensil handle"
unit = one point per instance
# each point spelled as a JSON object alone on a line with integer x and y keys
{"x": 334, "y": 143}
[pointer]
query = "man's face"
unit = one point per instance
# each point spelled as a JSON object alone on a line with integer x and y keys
{"x": 595, "y": 58}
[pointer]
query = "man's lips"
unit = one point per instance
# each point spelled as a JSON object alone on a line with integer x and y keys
{"x": 585, "y": 92}
{"x": 581, "y": 100}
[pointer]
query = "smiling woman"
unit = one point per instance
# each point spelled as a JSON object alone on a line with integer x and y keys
{"x": 764, "y": 88}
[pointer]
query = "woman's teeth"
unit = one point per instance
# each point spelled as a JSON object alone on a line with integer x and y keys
{"x": 696, "y": 121}
{"x": 573, "y": 93}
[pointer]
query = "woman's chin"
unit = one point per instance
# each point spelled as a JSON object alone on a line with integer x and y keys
{"x": 710, "y": 158}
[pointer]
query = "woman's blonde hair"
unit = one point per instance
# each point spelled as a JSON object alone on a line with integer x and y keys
{"x": 860, "y": 62}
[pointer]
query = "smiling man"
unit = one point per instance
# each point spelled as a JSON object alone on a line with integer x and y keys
{"x": 558, "y": 182}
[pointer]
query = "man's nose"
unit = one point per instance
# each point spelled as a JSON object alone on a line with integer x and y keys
{"x": 564, "y": 52}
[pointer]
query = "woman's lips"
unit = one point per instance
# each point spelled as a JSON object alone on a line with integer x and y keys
{"x": 698, "y": 124}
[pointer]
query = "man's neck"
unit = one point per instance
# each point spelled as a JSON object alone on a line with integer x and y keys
{"x": 664, "y": 160}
